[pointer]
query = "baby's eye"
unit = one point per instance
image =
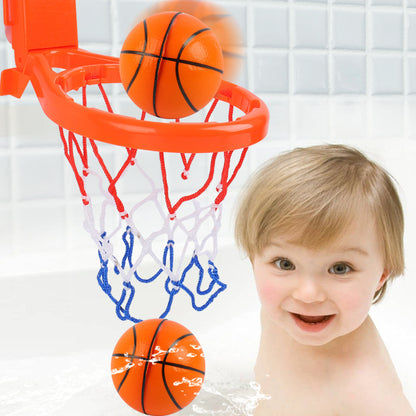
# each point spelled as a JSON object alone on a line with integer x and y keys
{"x": 284, "y": 264}
{"x": 340, "y": 268}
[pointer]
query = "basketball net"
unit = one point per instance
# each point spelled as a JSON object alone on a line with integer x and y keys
{"x": 165, "y": 237}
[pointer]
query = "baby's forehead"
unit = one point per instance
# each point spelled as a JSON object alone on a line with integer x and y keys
{"x": 324, "y": 235}
{"x": 337, "y": 247}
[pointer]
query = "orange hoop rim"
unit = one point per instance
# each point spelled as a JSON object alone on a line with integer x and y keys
{"x": 81, "y": 68}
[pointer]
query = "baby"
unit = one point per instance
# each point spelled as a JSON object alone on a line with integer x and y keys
{"x": 323, "y": 228}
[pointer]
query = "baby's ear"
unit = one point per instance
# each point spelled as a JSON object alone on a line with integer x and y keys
{"x": 383, "y": 279}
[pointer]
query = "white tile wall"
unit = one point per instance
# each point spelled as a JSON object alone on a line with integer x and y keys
{"x": 38, "y": 175}
{"x": 5, "y": 174}
{"x": 346, "y": 73}
{"x": 349, "y": 29}
{"x": 391, "y": 39}
{"x": 386, "y": 74}
{"x": 350, "y": 2}
{"x": 310, "y": 27}
{"x": 272, "y": 26}
{"x": 267, "y": 64}
{"x": 411, "y": 80}
{"x": 100, "y": 30}
{"x": 411, "y": 31}
{"x": 4, "y": 124}
{"x": 336, "y": 70}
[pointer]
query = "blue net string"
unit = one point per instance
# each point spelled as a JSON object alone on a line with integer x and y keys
{"x": 201, "y": 292}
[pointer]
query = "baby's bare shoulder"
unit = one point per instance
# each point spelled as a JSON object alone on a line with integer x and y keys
{"x": 371, "y": 390}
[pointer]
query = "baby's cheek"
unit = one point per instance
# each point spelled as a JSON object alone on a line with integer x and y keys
{"x": 268, "y": 292}
{"x": 356, "y": 304}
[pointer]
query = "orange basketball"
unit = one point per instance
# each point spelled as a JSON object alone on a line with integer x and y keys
{"x": 217, "y": 18}
{"x": 171, "y": 65}
{"x": 158, "y": 367}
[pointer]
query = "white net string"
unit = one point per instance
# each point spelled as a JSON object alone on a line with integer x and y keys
{"x": 148, "y": 227}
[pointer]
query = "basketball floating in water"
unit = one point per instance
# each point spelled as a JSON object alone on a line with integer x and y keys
{"x": 219, "y": 20}
{"x": 171, "y": 65}
{"x": 158, "y": 367}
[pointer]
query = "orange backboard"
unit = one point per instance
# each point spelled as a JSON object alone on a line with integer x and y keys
{"x": 38, "y": 25}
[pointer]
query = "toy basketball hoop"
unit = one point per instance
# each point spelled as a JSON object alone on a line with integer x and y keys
{"x": 113, "y": 158}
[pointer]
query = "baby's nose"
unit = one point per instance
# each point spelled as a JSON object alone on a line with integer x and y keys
{"x": 309, "y": 290}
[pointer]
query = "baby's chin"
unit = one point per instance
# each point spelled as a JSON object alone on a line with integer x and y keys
{"x": 314, "y": 341}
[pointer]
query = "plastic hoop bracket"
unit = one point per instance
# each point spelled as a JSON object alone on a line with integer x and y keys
{"x": 13, "y": 82}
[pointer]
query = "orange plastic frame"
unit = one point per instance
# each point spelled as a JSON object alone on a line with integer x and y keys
{"x": 44, "y": 36}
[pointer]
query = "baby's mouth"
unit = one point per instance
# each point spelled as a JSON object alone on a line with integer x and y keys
{"x": 313, "y": 319}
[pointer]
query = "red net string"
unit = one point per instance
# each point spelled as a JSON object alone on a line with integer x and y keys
{"x": 225, "y": 182}
{"x": 72, "y": 148}
{"x": 186, "y": 164}
{"x": 69, "y": 153}
{"x": 173, "y": 208}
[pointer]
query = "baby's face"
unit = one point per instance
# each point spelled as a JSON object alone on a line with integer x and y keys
{"x": 317, "y": 296}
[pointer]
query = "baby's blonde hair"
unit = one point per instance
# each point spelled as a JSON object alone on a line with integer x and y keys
{"x": 314, "y": 193}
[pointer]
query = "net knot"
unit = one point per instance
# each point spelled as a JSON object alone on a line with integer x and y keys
{"x": 185, "y": 175}
{"x": 172, "y": 216}
{"x": 219, "y": 187}
{"x": 85, "y": 172}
